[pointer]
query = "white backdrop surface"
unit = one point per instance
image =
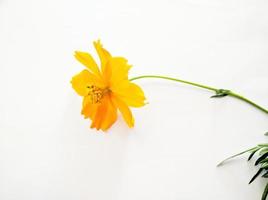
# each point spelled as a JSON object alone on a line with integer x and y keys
{"x": 47, "y": 150}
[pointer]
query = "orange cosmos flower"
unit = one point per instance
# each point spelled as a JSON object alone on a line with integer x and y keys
{"x": 107, "y": 89}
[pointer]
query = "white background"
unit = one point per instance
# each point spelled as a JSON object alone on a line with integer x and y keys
{"x": 47, "y": 150}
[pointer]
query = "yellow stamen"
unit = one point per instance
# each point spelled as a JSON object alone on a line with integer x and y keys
{"x": 96, "y": 93}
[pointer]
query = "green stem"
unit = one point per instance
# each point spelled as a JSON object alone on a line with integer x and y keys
{"x": 175, "y": 79}
{"x": 248, "y": 101}
{"x": 219, "y": 92}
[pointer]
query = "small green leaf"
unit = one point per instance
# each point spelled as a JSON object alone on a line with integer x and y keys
{"x": 246, "y": 151}
{"x": 265, "y": 175}
{"x": 219, "y": 95}
{"x": 261, "y": 158}
{"x": 264, "y": 161}
{"x": 265, "y": 193}
{"x": 264, "y": 165}
{"x": 263, "y": 145}
{"x": 263, "y": 151}
{"x": 256, "y": 175}
{"x": 252, "y": 154}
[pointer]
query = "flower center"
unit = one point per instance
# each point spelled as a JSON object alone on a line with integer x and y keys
{"x": 96, "y": 93}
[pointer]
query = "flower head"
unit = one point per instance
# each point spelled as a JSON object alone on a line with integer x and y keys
{"x": 107, "y": 89}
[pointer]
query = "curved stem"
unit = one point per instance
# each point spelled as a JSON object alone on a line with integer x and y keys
{"x": 219, "y": 92}
{"x": 248, "y": 101}
{"x": 175, "y": 79}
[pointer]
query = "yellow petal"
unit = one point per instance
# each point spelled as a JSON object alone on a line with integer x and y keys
{"x": 81, "y": 81}
{"x": 105, "y": 114}
{"x": 117, "y": 69}
{"x": 87, "y": 60}
{"x": 124, "y": 109}
{"x": 104, "y": 55}
{"x": 99, "y": 115}
{"x": 130, "y": 93}
{"x": 110, "y": 117}
{"x": 89, "y": 109}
